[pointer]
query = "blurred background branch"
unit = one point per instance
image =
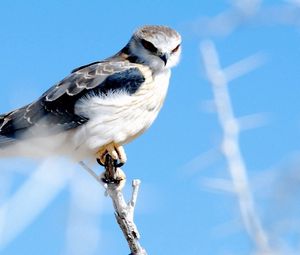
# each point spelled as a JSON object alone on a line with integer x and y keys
{"x": 230, "y": 144}
{"x": 248, "y": 13}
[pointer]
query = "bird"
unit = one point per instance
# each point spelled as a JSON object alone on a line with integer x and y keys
{"x": 99, "y": 107}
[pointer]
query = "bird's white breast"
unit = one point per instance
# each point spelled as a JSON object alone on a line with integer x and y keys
{"x": 120, "y": 117}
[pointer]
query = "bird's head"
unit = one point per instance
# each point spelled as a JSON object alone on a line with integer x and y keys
{"x": 156, "y": 46}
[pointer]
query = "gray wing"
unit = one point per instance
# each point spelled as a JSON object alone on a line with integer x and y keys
{"x": 54, "y": 111}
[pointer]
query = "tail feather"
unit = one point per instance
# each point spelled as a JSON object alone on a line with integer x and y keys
{"x": 12, "y": 125}
{"x": 5, "y": 141}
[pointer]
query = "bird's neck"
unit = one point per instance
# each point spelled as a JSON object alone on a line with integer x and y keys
{"x": 126, "y": 54}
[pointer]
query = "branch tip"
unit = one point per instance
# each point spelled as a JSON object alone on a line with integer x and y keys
{"x": 113, "y": 180}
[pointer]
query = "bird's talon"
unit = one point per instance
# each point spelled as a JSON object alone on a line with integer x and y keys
{"x": 117, "y": 180}
{"x": 111, "y": 181}
{"x": 105, "y": 180}
{"x": 115, "y": 151}
{"x": 100, "y": 162}
{"x": 120, "y": 164}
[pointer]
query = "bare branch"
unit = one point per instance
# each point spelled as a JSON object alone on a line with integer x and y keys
{"x": 113, "y": 180}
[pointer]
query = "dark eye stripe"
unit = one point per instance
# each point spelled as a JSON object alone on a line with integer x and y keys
{"x": 149, "y": 46}
{"x": 176, "y": 48}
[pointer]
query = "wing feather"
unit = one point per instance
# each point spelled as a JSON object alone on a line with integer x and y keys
{"x": 57, "y": 105}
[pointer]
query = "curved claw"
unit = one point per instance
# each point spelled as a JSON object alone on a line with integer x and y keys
{"x": 99, "y": 162}
{"x": 118, "y": 164}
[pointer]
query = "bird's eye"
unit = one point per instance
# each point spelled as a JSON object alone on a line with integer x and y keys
{"x": 149, "y": 46}
{"x": 176, "y": 48}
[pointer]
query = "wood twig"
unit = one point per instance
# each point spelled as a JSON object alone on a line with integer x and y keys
{"x": 113, "y": 180}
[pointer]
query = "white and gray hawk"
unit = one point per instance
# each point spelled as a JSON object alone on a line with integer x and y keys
{"x": 98, "y": 107}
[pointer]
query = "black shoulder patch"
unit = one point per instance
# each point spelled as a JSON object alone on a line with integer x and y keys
{"x": 128, "y": 80}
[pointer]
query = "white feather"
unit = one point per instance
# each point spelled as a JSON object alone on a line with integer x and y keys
{"x": 119, "y": 117}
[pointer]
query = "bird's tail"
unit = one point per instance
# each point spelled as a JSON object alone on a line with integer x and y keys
{"x": 4, "y": 140}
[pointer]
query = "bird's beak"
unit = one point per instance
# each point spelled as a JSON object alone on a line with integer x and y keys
{"x": 164, "y": 57}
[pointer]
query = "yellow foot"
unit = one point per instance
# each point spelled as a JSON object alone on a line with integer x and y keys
{"x": 115, "y": 150}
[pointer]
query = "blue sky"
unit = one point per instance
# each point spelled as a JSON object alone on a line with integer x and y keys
{"x": 41, "y": 42}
